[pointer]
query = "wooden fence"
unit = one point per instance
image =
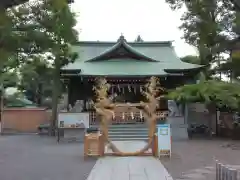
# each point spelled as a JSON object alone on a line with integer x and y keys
{"x": 226, "y": 172}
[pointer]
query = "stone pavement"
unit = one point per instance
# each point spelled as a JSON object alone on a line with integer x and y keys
{"x": 129, "y": 168}
{"x": 128, "y": 146}
{"x": 31, "y": 157}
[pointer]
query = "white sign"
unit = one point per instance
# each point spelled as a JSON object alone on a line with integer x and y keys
{"x": 73, "y": 120}
{"x": 164, "y": 140}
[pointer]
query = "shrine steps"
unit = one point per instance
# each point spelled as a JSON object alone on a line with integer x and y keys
{"x": 128, "y": 132}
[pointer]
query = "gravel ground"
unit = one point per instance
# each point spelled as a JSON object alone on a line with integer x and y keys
{"x": 195, "y": 159}
{"x": 31, "y": 157}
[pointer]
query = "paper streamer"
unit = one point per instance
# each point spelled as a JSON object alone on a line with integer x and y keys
{"x": 132, "y": 115}
{"x": 141, "y": 116}
{"x": 123, "y": 115}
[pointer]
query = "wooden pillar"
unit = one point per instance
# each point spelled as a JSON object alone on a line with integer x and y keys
{"x": 101, "y": 145}
{"x": 155, "y": 146}
{"x": 70, "y": 91}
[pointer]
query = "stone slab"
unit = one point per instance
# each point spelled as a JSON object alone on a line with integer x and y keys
{"x": 129, "y": 168}
{"x": 127, "y": 146}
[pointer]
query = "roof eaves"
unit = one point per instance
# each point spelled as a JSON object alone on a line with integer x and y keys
{"x": 182, "y": 70}
{"x": 121, "y": 75}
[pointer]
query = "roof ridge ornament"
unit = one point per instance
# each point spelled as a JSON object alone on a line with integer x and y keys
{"x": 121, "y": 38}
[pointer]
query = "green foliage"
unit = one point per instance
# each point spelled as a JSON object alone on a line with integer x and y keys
{"x": 36, "y": 77}
{"x": 231, "y": 67}
{"x": 219, "y": 93}
{"x": 55, "y": 24}
{"x": 32, "y": 29}
{"x": 10, "y": 41}
{"x": 209, "y": 25}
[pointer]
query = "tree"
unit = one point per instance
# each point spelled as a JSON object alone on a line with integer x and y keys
{"x": 43, "y": 27}
{"x": 210, "y": 25}
{"x": 10, "y": 41}
{"x": 231, "y": 68}
{"x": 35, "y": 28}
{"x": 55, "y": 22}
{"x": 211, "y": 92}
{"x": 236, "y": 4}
{"x": 36, "y": 78}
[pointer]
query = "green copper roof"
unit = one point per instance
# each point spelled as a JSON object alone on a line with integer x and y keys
{"x": 116, "y": 67}
{"x": 123, "y": 58}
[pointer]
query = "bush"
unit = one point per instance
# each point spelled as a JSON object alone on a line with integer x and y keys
{"x": 211, "y": 92}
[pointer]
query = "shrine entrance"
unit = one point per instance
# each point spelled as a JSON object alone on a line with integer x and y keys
{"x": 108, "y": 111}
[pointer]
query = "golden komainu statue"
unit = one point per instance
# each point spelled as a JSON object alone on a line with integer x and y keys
{"x": 105, "y": 109}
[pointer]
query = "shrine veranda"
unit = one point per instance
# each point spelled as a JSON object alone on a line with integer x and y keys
{"x": 126, "y": 66}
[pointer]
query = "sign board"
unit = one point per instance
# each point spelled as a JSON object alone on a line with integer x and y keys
{"x": 164, "y": 140}
{"x": 73, "y": 120}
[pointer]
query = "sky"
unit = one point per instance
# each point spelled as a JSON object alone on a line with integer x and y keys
{"x": 153, "y": 20}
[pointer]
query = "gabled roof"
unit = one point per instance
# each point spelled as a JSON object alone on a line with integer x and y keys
{"x": 124, "y": 58}
{"x": 121, "y": 49}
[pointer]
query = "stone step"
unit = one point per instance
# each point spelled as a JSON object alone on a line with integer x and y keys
{"x": 128, "y": 135}
{"x": 128, "y": 139}
{"x": 128, "y": 132}
{"x": 123, "y": 126}
{"x": 128, "y": 129}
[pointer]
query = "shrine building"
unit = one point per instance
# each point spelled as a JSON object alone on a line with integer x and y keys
{"x": 126, "y": 66}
